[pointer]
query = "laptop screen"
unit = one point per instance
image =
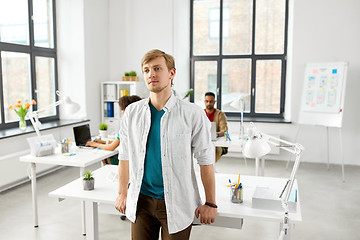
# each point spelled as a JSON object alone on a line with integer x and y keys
{"x": 82, "y": 134}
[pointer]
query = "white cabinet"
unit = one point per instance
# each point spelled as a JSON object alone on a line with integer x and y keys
{"x": 110, "y": 94}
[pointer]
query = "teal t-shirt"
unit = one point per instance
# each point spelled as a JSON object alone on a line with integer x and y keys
{"x": 152, "y": 183}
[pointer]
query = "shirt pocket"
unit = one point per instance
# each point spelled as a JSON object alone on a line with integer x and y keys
{"x": 180, "y": 145}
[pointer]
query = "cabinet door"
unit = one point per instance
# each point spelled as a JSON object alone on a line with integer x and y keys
{"x": 113, "y": 126}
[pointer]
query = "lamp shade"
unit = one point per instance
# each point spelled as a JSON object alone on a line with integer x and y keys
{"x": 256, "y": 147}
{"x": 70, "y": 107}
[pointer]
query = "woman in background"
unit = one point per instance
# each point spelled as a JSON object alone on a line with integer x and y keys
{"x": 123, "y": 103}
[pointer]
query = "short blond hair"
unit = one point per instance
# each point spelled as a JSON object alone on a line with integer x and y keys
{"x": 152, "y": 54}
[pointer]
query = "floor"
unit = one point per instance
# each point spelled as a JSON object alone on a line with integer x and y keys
{"x": 330, "y": 207}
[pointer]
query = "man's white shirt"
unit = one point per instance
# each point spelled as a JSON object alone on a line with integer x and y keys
{"x": 184, "y": 133}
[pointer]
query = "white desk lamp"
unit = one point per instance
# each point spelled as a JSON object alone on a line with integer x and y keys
{"x": 258, "y": 146}
{"x": 71, "y": 106}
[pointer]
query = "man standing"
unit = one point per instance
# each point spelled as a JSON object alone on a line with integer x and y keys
{"x": 159, "y": 135}
{"x": 217, "y": 116}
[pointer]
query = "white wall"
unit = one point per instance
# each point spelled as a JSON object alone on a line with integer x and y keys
{"x": 320, "y": 31}
{"x": 96, "y": 41}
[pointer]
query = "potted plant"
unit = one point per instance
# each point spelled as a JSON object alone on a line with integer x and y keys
{"x": 88, "y": 181}
{"x": 130, "y": 76}
{"x": 102, "y": 130}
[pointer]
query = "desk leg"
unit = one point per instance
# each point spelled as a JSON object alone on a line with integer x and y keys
{"x": 256, "y": 166}
{"x": 83, "y": 215}
{"x": 92, "y": 223}
{"x": 34, "y": 193}
{"x": 262, "y": 166}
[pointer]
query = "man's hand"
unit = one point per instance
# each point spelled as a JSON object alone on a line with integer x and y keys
{"x": 120, "y": 203}
{"x": 207, "y": 214}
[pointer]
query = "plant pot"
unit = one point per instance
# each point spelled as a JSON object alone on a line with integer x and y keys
{"x": 88, "y": 184}
{"x": 130, "y": 78}
{"x": 102, "y": 134}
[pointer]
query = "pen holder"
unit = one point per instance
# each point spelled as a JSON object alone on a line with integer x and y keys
{"x": 236, "y": 194}
{"x": 64, "y": 147}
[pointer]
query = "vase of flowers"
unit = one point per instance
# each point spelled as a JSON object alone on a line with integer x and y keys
{"x": 21, "y": 110}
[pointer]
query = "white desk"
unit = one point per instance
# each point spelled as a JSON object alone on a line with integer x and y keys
{"x": 238, "y": 143}
{"x": 83, "y": 158}
{"x": 229, "y": 214}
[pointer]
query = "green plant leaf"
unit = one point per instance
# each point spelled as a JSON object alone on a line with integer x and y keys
{"x": 188, "y": 93}
{"x": 103, "y": 126}
{"x": 88, "y": 176}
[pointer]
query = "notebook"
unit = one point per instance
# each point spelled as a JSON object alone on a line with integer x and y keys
{"x": 213, "y": 131}
{"x": 82, "y": 134}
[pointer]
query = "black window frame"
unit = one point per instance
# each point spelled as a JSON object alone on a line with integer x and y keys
{"x": 34, "y": 52}
{"x": 254, "y": 57}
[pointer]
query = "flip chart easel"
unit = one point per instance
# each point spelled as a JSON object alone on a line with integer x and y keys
{"x": 323, "y": 99}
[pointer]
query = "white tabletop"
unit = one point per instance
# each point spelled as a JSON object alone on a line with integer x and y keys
{"x": 106, "y": 192}
{"x": 235, "y": 142}
{"x": 83, "y": 157}
{"x": 244, "y": 210}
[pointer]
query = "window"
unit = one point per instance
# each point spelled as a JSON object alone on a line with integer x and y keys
{"x": 27, "y": 57}
{"x": 238, "y": 50}
{"x": 214, "y": 22}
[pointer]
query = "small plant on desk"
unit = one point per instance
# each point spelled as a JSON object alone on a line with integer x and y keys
{"x": 88, "y": 181}
{"x": 103, "y": 129}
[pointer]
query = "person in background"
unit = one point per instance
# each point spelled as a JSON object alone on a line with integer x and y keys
{"x": 217, "y": 116}
{"x": 111, "y": 145}
{"x": 159, "y": 136}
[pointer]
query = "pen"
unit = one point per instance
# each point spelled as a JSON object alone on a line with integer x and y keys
{"x": 238, "y": 183}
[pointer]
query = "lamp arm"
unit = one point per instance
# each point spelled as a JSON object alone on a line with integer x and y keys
{"x": 291, "y": 180}
{"x": 294, "y": 148}
{"x": 51, "y": 106}
{"x": 34, "y": 115}
{"x": 285, "y": 200}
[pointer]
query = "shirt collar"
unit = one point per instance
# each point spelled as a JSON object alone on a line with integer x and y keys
{"x": 169, "y": 104}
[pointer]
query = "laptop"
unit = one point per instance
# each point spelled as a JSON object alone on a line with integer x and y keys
{"x": 82, "y": 135}
{"x": 213, "y": 131}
